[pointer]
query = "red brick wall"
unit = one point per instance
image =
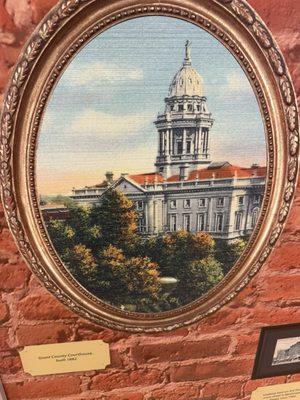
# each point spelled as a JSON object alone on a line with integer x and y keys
{"x": 212, "y": 359}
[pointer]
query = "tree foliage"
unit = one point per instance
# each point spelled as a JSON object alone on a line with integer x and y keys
{"x": 116, "y": 218}
{"x": 103, "y": 251}
{"x": 82, "y": 264}
{"x": 62, "y": 235}
{"x": 130, "y": 277}
{"x": 197, "y": 278}
{"x": 227, "y": 253}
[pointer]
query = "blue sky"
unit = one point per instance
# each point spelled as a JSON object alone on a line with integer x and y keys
{"x": 100, "y": 115}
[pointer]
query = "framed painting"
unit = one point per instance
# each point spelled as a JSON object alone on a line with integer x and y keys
{"x": 278, "y": 351}
{"x": 148, "y": 156}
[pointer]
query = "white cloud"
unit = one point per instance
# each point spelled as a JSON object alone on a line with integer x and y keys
{"x": 237, "y": 83}
{"x": 91, "y": 122}
{"x": 100, "y": 72}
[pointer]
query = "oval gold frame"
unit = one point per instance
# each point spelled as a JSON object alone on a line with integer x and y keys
{"x": 69, "y": 26}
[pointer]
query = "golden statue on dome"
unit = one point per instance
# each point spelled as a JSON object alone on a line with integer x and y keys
{"x": 188, "y": 45}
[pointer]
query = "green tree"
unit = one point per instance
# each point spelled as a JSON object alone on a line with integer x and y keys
{"x": 130, "y": 279}
{"x": 83, "y": 266}
{"x": 174, "y": 250}
{"x": 115, "y": 218}
{"x": 105, "y": 254}
{"x": 60, "y": 199}
{"x": 197, "y": 278}
{"x": 62, "y": 235}
{"x": 79, "y": 221}
{"x": 227, "y": 253}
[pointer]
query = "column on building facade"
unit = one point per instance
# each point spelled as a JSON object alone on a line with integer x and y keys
{"x": 165, "y": 212}
{"x": 210, "y": 215}
{"x": 170, "y": 142}
{"x": 167, "y": 142}
{"x": 160, "y": 143}
{"x": 192, "y": 140}
{"x": 162, "y": 215}
{"x": 232, "y": 207}
{"x": 247, "y": 215}
{"x": 206, "y": 140}
{"x": 201, "y": 141}
{"x": 150, "y": 216}
{"x": 184, "y": 141}
{"x": 146, "y": 216}
{"x": 197, "y": 140}
{"x": 159, "y": 215}
{"x": 226, "y": 219}
{"x": 154, "y": 202}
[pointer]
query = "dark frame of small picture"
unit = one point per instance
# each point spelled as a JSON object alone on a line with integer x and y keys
{"x": 264, "y": 365}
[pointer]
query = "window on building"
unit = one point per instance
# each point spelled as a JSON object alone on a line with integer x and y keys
{"x": 220, "y": 201}
{"x": 190, "y": 107}
{"x": 201, "y": 222}
{"x": 202, "y": 202}
{"x": 187, "y": 203}
{"x": 141, "y": 225}
{"x": 241, "y": 200}
{"x": 187, "y": 222}
{"x": 173, "y": 204}
{"x": 180, "y": 107}
{"x": 139, "y": 205}
{"x": 254, "y": 217}
{"x": 188, "y": 146}
{"x": 256, "y": 199}
{"x": 173, "y": 223}
{"x": 238, "y": 221}
{"x": 198, "y": 107}
{"x": 179, "y": 147}
{"x": 219, "y": 222}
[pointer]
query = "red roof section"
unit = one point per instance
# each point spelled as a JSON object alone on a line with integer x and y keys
{"x": 152, "y": 177}
{"x": 225, "y": 171}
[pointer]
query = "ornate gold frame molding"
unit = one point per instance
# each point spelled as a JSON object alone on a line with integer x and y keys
{"x": 68, "y": 27}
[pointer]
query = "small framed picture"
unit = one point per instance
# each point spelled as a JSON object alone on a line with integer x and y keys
{"x": 278, "y": 351}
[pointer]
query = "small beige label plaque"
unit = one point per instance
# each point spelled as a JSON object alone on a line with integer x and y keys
{"x": 287, "y": 391}
{"x": 59, "y": 358}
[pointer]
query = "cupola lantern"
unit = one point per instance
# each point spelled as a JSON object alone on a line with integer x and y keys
{"x": 184, "y": 127}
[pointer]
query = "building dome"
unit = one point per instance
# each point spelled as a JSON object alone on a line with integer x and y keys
{"x": 187, "y": 81}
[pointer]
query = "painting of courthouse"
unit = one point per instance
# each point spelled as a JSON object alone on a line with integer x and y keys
{"x": 188, "y": 190}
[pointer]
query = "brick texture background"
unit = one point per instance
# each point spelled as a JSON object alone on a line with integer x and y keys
{"x": 209, "y": 360}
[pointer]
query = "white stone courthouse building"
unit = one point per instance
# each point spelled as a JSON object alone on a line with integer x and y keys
{"x": 188, "y": 191}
